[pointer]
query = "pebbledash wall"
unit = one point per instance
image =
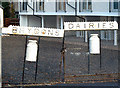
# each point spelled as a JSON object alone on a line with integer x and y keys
{"x": 53, "y": 14}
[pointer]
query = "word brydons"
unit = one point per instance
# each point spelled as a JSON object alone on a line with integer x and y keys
{"x": 34, "y": 31}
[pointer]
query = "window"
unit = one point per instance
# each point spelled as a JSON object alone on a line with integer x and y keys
{"x": 85, "y": 5}
{"x": 114, "y": 5}
{"x": 61, "y": 5}
{"x": 24, "y": 5}
{"x": 40, "y": 5}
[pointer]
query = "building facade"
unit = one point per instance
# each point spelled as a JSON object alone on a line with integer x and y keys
{"x": 53, "y": 14}
{"x": 1, "y": 16}
{"x": 1, "y": 25}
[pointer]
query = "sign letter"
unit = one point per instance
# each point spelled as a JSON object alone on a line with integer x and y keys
{"x": 70, "y": 26}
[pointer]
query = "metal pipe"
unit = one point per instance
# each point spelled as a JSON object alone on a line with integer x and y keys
{"x": 115, "y": 34}
{"x": 62, "y": 22}
{"x": 56, "y": 6}
{"x": 88, "y": 63}
{"x": 63, "y": 58}
{"x": 115, "y": 37}
{"x": 37, "y": 59}
{"x": 62, "y": 62}
{"x": 63, "y": 66}
{"x": 20, "y": 6}
{"x": 100, "y": 52}
{"x": 88, "y": 56}
{"x": 24, "y": 59}
{"x": 42, "y": 21}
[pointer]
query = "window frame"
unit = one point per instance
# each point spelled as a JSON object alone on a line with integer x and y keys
{"x": 24, "y": 5}
{"x": 112, "y": 5}
{"x": 59, "y": 7}
{"x": 38, "y": 7}
{"x": 84, "y": 5}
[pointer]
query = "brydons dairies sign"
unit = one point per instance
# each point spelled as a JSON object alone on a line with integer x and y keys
{"x": 50, "y": 32}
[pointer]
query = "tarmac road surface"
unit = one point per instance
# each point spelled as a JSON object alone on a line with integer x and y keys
{"x": 76, "y": 59}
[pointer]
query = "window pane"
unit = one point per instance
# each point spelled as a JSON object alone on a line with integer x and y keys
{"x": 24, "y": 5}
{"x": 84, "y": 5}
{"x": 115, "y": 4}
{"x": 61, "y": 5}
{"x": 41, "y": 5}
{"x": 89, "y": 5}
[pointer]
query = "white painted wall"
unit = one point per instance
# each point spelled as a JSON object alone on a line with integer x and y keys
{"x": 70, "y": 9}
{"x": 101, "y": 6}
{"x": 1, "y": 17}
{"x": 50, "y": 7}
{"x": 23, "y": 21}
{"x": 30, "y": 3}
